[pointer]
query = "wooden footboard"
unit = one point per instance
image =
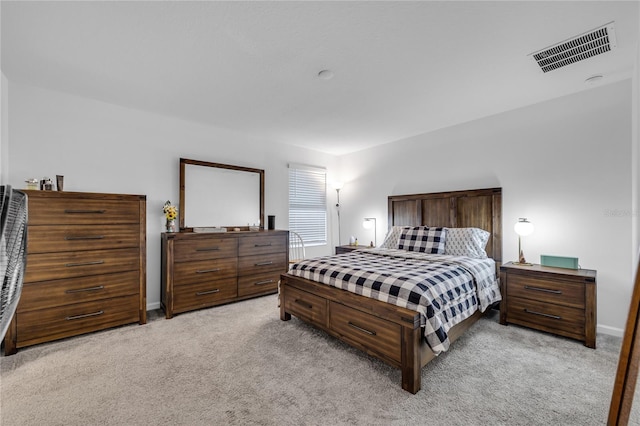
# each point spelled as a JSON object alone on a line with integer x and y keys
{"x": 387, "y": 332}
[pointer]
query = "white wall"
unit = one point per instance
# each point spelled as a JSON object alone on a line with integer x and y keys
{"x": 100, "y": 147}
{"x": 564, "y": 164}
{"x": 4, "y": 130}
{"x": 635, "y": 112}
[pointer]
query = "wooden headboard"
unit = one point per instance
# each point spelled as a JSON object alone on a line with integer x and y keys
{"x": 478, "y": 208}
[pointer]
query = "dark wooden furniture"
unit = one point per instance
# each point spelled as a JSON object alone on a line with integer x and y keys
{"x": 86, "y": 266}
{"x": 556, "y": 300}
{"x": 388, "y": 332}
{"x": 628, "y": 364}
{"x": 205, "y": 199}
{"x": 201, "y": 270}
{"x": 349, "y": 248}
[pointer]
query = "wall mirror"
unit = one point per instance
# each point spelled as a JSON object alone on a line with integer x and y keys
{"x": 220, "y": 195}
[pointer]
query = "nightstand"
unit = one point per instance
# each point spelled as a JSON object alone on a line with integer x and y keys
{"x": 348, "y": 248}
{"x": 556, "y": 300}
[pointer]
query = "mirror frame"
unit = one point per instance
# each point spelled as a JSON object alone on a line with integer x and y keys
{"x": 184, "y": 162}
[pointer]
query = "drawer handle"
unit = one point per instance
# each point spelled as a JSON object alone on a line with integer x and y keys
{"x": 544, "y": 290}
{"x": 364, "y": 330}
{"x": 264, "y": 263}
{"x": 264, "y": 282}
{"x": 202, "y": 293}
{"x": 303, "y": 303}
{"x": 83, "y": 237}
{"x": 208, "y": 249}
{"x": 262, "y": 245}
{"x": 543, "y": 315}
{"x": 69, "y": 211}
{"x": 80, "y": 290}
{"x": 204, "y": 271}
{"x": 93, "y": 314}
{"x": 97, "y": 262}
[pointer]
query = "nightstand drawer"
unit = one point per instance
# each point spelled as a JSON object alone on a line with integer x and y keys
{"x": 557, "y": 319}
{"x": 560, "y": 292}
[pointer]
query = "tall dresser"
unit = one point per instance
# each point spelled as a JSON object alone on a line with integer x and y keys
{"x": 86, "y": 266}
{"x": 200, "y": 270}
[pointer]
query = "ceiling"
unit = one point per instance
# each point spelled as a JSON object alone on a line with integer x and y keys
{"x": 399, "y": 68}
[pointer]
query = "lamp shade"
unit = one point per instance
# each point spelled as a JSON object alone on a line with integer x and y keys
{"x": 368, "y": 223}
{"x": 523, "y": 227}
{"x": 337, "y": 185}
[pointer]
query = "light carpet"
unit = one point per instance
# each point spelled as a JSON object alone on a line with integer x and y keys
{"x": 239, "y": 364}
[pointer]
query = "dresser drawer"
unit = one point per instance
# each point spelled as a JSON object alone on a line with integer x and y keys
{"x": 559, "y": 292}
{"x": 262, "y": 244}
{"x": 205, "y": 248}
{"x": 306, "y": 306}
{"x": 253, "y": 265}
{"x": 47, "y": 294}
{"x": 51, "y": 266}
{"x": 59, "y": 238}
{"x": 553, "y": 318}
{"x": 200, "y": 295}
{"x": 366, "y": 331}
{"x": 73, "y": 211}
{"x": 204, "y": 270}
{"x": 256, "y": 284}
{"x": 70, "y": 320}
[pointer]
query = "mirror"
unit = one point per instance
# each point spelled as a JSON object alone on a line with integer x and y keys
{"x": 220, "y": 195}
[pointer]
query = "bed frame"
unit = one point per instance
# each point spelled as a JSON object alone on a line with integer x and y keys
{"x": 388, "y": 332}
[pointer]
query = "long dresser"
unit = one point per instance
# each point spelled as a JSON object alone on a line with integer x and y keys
{"x": 86, "y": 266}
{"x": 200, "y": 270}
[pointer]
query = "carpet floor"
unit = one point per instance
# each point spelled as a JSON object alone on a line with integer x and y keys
{"x": 239, "y": 364}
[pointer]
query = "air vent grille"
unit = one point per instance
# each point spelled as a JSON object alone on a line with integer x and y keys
{"x": 579, "y": 48}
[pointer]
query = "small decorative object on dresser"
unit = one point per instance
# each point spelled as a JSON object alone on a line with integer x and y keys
{"x": 170, "y": 214}
{"x": 556, "y": 300}
{"x": 86, "y": 266}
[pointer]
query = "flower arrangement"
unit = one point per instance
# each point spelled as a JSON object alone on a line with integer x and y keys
{"x": 170, "y": 211}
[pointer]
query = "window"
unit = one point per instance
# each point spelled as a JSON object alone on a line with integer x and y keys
{"x": 308, "y": 203}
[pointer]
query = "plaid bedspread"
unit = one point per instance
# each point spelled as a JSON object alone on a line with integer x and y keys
{"x": 445, "y": 290}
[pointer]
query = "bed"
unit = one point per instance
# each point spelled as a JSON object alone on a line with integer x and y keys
{"x": 354, "y": 298}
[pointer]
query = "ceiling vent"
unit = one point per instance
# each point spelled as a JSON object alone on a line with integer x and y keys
{"x": 576, "y": 49}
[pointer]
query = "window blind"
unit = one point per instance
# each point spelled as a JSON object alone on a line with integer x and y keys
{"x": 308, "y": 203}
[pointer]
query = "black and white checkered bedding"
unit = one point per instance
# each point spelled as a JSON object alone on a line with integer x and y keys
{"x": 445, "y": 290}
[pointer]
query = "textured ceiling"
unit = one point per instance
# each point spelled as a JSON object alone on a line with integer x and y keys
{"x": 400, "y": 68}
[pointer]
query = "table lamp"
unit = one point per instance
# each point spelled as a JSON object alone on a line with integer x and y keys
{"x": 523, "y": 228}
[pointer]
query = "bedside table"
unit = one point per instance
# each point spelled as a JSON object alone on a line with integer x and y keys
{"x": 556, "y": 300}
{"x": 347, "y": 248}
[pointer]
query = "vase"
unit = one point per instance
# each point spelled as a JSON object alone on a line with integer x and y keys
{"x": 171, "y": 225}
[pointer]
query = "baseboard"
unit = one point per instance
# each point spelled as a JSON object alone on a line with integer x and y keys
{"x": 153, "y": 306}
{"x": 611, "y": 331}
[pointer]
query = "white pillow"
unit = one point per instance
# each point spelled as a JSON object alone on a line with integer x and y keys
{"x": 392, "y": 238}
{"x": 470, "y": 242}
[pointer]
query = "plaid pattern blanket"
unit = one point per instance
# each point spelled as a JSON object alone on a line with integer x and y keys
{"x": 445, "y": 290}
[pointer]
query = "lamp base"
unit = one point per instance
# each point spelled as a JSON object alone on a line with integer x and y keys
{"x": 522, "y": 263}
